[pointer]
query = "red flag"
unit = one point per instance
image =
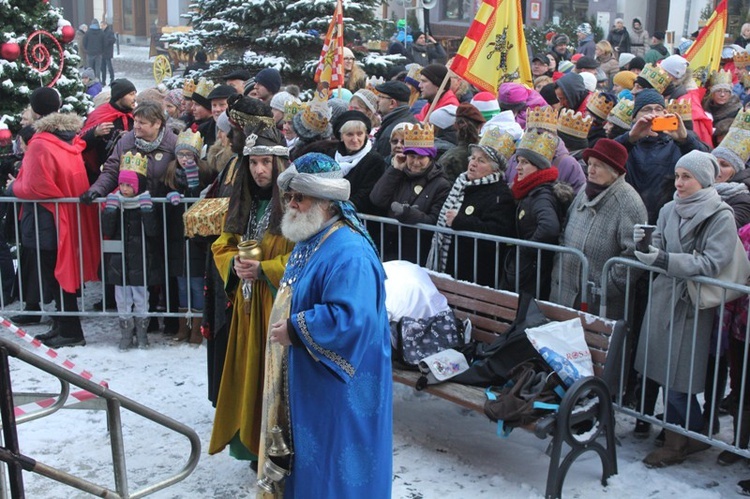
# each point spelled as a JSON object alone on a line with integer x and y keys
{"x": 331, "y": 63}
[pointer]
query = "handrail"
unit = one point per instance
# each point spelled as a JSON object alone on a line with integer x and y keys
{"x": 114, "y": 402}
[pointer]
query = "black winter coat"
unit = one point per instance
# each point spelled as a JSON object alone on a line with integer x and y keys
{"x": 127, "y": 227}
{"x": 619, "y": 39}
{"x": 93, "y": 42}
{"x": 363, "y": 178}
{"x": 488, "y": 209}
{"x": 109, "y": 42}
{"x": 401, "y": 114}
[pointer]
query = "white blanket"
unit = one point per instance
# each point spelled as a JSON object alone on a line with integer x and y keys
{"x": 409, "y": 292}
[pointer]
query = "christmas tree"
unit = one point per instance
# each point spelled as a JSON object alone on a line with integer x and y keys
{"x": 272, "y": 33}
{"x": 35, "y": 51}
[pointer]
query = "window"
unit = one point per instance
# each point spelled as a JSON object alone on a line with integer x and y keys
{"x": 127, "y": 16}
{"x": 459, "y": 10}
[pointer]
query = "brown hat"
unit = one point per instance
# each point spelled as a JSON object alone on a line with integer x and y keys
{"x": 469, "y": 112}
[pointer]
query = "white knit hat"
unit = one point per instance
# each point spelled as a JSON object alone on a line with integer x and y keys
{"x": 589, "y": 81}
{"x": 369, "y": 98}
{"x": 487, "y": 104}
{"x": 625, "y": 58}
{"x": 675, "y": 65}
{"x": 444, "y": 117}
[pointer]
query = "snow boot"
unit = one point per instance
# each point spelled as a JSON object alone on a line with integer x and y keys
{"x": 727, "y": 457}
{"x": 675, "y": 451}
{"x": 183, "y": 330}
{"x": 141, "y": 332}
{"x": 51, "y": 332}
{"x": 70, "y": 334}
{"x": 196, "y": 338}
{"x": 126, "y": 333}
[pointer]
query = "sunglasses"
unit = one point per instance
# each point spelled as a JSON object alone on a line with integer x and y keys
{"x": 288, "y": 197}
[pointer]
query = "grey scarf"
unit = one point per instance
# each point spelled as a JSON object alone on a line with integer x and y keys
{"x": 694, "y": 209}
{"x": 148, "y": 147}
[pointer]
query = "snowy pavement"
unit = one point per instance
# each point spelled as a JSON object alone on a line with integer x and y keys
{"x": 440, "y": 450}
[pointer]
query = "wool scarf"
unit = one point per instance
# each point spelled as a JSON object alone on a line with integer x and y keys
{"x": 441, "y": 243}
{"x": 349, "y": 161}
{"x": 521, "y": 188}
{"x": 148, "y": 147}
{"x": 696, "y": 208}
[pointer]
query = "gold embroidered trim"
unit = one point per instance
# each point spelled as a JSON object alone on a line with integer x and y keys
{"x": 332, "y": 356}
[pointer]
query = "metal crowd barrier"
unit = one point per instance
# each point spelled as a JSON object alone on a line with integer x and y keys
{"x": 718, "y": 345}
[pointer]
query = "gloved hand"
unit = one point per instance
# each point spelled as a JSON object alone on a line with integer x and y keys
{"x": 648, "y": 258}
{"x": 206, "y": 332}
{"x": 174, "y": 197}
{"x": 113, "y": 202}
{"x": 638, "y": 234}
{"x": 191, "y": 172}
{"x": 399, "y": 209}
{"x": 145, "y": 201}
{"x": 88, "y": 197}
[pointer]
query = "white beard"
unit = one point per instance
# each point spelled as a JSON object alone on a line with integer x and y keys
{"x": 297, "y": 226}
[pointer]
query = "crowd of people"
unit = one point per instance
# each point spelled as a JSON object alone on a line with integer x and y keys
{"x": 576, "y": 161}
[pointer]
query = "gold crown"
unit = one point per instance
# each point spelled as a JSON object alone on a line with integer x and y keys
{"x": 191, "y": 140}
{"x": 316, "y": 114}
{"x": 600, "y": 105}
{"x": 574, "y": 124}
{"x": 188, "y": 88}
{"x": 291, "y": 107}
{"x": 544, "y": 117}
{"x": 741, "y": 59}
{"x": 540, "y": 142}
{"x": 414, "y": 73}
{"x": 683, "y": 108}
{"x": 737, "y": 140}
{"x": 134, "y": 162}
{"x": 204, "y": 87}
{"x": 499, "y": 140}
{"x": 721, "y": 77}
{"x": 656, "y": 76}
{"x": 622, "y": 114}
{"x": 741, "y": 121}
{"x": 419, "y": 135}
{"x": 374, "y": 81}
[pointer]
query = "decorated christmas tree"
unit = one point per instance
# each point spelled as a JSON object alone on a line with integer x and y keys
{"x": 35, "y": 51}
{"x": 272, "y": 33}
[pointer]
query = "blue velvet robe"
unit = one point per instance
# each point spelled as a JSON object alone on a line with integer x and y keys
{"x": 340, "y": 388}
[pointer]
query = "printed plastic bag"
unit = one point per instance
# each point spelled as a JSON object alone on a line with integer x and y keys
{"x": 563, "y": 346}
{"x": 440, "y": 367}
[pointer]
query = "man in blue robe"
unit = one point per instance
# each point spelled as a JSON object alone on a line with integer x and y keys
{"x": 338, "y": 339}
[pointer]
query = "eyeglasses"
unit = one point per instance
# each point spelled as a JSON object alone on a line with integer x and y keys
{"x": 348, "y": 58}
{"x": 288, "y": 197}
{"x": 395, "y": 142}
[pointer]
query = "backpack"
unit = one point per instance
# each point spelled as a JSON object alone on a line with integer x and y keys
{"x": 533, "y": 391}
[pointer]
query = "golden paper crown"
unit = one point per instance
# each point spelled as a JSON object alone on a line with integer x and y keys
{"x": 188, "y": 88}
{"x": 413, "y": 75}
{"x": 721, "y": 77}
{"x": 419, "y": 135}
{"x": 134, "y": 162}
{"x": 742, "y": 120}
{"x": 656, "y": 76}
{"x": 316, "y": 115}
{"x": 499, "y": 140}
{"x": 544, "y": 117}
{"x": 291, "y": 107}
{"x": 204, "y": 87}
{"x": 622, "y": 114}
{"x": 737, "y": 140}
{"x": 599, "y": 105}
{"x": 683, "y": 108}
{"x": 741, "y": 59}
{"x": 540, "y": 142}
{"x": 191, "y": 140}
{"x": 574, "y": 124}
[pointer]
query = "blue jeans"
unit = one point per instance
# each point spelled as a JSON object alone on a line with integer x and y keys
{"x": 677, "y": 410}
{"x": 196, "y": 292}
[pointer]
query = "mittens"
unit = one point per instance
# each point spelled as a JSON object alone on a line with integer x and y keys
{"x": 174, "y": 197}
{"x": 648, "y": 258}
{"x": 112, "y": 203}
{"x": 145, "y": 201}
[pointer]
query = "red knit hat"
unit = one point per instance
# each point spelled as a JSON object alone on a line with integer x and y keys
{"x": 550, "y": 35}
{"x": 610, "y": 152}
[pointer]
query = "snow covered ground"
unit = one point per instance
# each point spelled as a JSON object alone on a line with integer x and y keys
{"x": 439, "y": 449}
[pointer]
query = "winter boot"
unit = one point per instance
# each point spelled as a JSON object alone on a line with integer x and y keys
{"x": 728, "y": 457}
{"x": 70, "y": 334}
{"x": 674, "y": 451}
{"x": 126, "y": 333}
{"x": 196, "y": 338}
{"x": 141, "y": 332}
{"x": 183, "y": 330}
{"x": 51, "y": 332}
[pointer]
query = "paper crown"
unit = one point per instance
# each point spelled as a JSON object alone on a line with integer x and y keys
{"x": 600, "y": 105}
{"x": 622, "y": 114}
{"x": 544, "y": 117}
{"x": 291, "y": 107}
{"x": 737, "y": 140}
{"x": 745, "y": 81}
{"x": 682, "y": 108}
{"x": 373, "y": 81}
{"x": 742, "y": 120}
{"x": 188, "y": 88}
{"x": 498, "y": 140}
{"x": 316, "y": 115}
{"x": 134, "y": 162}
{"x": 414, "y": 72}
{"x": 656, "y": 76}
{"x": 721, "y": 77}
{"x": 203, "y": 88}
{"x": 574, "y": 124}
{"x": 191, "y": 140}
{"x": 419, "y": 136}
{"x": 541, "y": 142}
{"x": 741, "y": 59}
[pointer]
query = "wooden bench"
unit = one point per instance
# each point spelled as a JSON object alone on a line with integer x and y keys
{"x": 491, "y": 313}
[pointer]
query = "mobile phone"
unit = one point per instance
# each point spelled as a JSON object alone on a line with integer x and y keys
{"x": 664, "y": 124}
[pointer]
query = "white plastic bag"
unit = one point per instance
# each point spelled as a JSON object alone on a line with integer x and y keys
{"x": 442, "y": 366}
{"x": 563, "y": 346}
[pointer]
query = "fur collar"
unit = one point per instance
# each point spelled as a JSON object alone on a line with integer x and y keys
{"x": 59, "y": 122}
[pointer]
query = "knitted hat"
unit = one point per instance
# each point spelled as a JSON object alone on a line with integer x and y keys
{"x": 610, "y": 152}
{"x": 538, "y": 147}
{"x": 637, "y": 63}
{"x": 348, "y": 116}
{"x": 728, "y": 155}
{"x": 574, "y": 59}
{"x": 221, "y": 92}
{"x": 625, "y": 58}
{"x": 659, "y": 35}
{"x": 119, "y": 88}
{"x": 368, "y": 98}
{"x": 223, "y": 123}
{"x": 45, "y": 100}
{"x": 128, "y": 177}
{"x": 444, "y": 117}
{"x": 487, "y": 104}
{"x": 396, "y": 90}
{"x": 702, "y": 165}
{"x": 645, "y": 97}
{"x": 468, "y": 111}
{"x": 497, "y": 144}
{"x": 436, "y": 73}
{"x": 561, "y": 39}
{"x": 87, "y": 73}
{"x": 348, "y": 52}
{"x": 589, "y": 81}
{"x": 337, "y": 107}
{"x": 586, "y": 62}
{"x": 269, "y": 78}
{"x": 174, "y": 97}
{"x": 675, "y": 65}
{"x": 625, "y": 79}
{"x": 584, "y": 28}
{"x": 565, "y": 67}
{"x": 549, "y": 36}
{"x": 279, "y": 100}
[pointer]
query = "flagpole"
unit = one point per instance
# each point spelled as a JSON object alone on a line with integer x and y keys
{"x": 438, "y": 95}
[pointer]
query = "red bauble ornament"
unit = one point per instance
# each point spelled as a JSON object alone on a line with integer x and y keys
{"x": 10, "y": 51}
{"x": 68, "y": 33}
{"x": 5, "y": 137}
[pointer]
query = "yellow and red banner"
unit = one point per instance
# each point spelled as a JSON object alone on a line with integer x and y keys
{"x": 331, "y": 64}
{"x": 494, "y": 49}
{"x": 704, "y": 55}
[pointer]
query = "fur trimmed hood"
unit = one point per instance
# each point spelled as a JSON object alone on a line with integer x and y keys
{"x": 563, "y": 192}
{"x": 59, "y": 122}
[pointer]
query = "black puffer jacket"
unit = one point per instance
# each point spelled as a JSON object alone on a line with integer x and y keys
{"x": 124, "y": 226}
